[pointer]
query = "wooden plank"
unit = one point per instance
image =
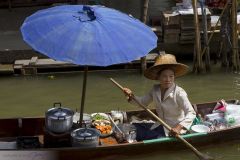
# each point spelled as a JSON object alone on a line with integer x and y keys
{"x": 156, "y": 28}
{"x": 9, "y": 128}
{"x": 108, "y": 141}
{"x": 170, "y": 18}
{"x": 18, "y": 66}
{"x": 13, "y": 127}
{"x": 171, "y": 31}
{"x": 171, "y": 38}
{"x": 22, "y": 62}
{"x": 31, "y": 67}
{"x": 42, "y": 62}
{"x": 6, "y": 67}
{"x": 150, "y": 57}
{"x": 171, "y": 27}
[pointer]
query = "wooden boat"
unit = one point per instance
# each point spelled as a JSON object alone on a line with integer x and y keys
{"x": 13, "y": 128}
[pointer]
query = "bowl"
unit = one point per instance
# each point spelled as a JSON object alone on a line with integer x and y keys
{"x": 99, "y": 116}
{"x": 102, "y": 120}
{"x": 199, "y": 128}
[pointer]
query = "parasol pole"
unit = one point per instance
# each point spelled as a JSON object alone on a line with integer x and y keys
{"x": 144, "y": 20}
{"x": 83, "y": 95}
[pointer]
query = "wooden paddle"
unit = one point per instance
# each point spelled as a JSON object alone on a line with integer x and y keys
{"x": 198, "y": 153}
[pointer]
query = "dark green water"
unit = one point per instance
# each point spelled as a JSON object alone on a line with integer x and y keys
{"x": 32, "y": 96}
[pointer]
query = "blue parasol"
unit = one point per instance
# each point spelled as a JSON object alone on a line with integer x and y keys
{"x": 88, "y": 35}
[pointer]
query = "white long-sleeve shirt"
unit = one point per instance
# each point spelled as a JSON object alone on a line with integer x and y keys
{"x": 175, "y": 108}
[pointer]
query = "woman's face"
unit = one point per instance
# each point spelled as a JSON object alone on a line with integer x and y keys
{"x": 166, "y": 78}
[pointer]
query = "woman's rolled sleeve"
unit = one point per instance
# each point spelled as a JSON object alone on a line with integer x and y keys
{"x": 144, "y": 100}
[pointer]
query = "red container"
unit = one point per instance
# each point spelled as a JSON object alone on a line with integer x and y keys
{"x": 216, "y": 3}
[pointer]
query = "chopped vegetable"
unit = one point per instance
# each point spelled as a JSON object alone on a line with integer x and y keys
{"x": 107, "y": 129}
{"x": 99, "y": 117}
{"x": 102, "y": 123}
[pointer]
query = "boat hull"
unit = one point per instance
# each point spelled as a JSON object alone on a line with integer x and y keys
{"x": 18, "y": 127}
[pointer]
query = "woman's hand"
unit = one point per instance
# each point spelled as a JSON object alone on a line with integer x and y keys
{"x": 128, "y": 93}
{"x": 176, "y": 130}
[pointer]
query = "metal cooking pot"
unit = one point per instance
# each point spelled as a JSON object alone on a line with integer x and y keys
{"x": 119, "y": 116}
{"x": 85, "y": 137}
{"x": 59, "y": 119}
{"x": 87, "y": 119}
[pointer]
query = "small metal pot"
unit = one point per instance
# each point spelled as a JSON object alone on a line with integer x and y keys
{"x": 87, "y": 119}
{"x": 125, "y": 132}
{"x": 58, "y": 119}
{"x": 85, "y": 137}
{"x": 119, "y": 116}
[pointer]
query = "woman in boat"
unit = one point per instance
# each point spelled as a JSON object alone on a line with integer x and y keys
{"x": 171, "y": 101}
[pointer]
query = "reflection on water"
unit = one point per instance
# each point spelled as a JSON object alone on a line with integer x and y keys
{"x": 33, "y": 95}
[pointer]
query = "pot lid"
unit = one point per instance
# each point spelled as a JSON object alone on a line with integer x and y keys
{"x": 85, "y": 133}
{"x": 59, "y": 112}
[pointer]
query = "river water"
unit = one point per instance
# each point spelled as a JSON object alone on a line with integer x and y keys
{"x": 33, "y": 95}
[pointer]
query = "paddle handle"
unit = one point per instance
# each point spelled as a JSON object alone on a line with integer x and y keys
{"x": 117, "y": 84}
{"x": 199, "y": 154}
{"x": 142, "y": 106}
{"x": 115, "y": 124}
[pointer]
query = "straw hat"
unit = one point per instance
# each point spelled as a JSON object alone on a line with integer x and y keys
{"x": 165, "y": 61}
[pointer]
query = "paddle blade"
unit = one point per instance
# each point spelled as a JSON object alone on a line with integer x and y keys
{"x": 205, "y": 157}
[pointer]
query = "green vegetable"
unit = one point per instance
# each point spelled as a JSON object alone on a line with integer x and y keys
{"x": 99, "y": 117}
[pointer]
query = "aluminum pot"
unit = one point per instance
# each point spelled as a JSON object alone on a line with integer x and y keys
{"x": 87, "y": 119}
{"x": 85, "y": 137}
{"x": 119, "y": 117}
{"x": 59, "y": 119}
